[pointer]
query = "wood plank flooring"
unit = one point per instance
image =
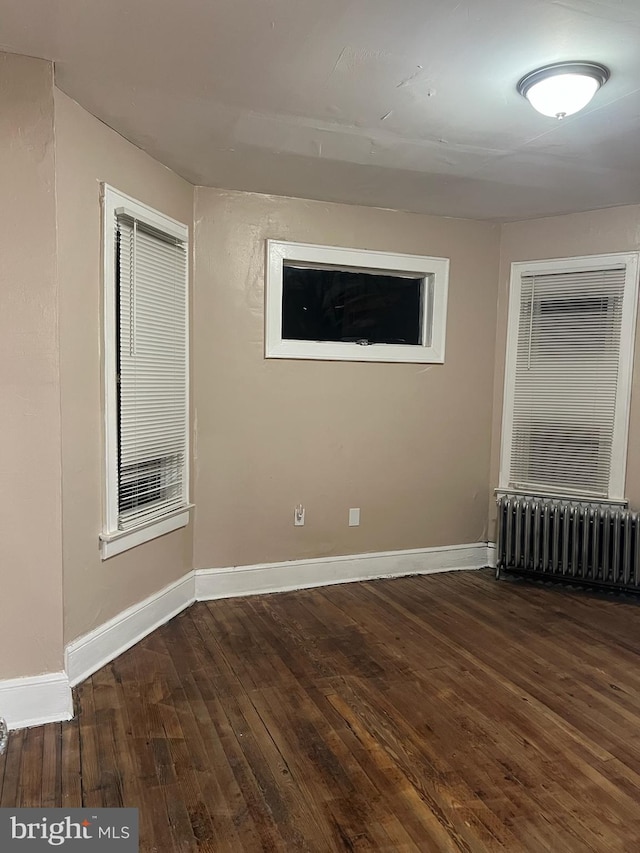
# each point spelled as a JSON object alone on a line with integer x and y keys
{"x": 439, "y": 713}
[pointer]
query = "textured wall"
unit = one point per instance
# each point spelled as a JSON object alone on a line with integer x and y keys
{"x": 408, "y": 444}
{"x": 30, "y": 498}
{"x": 87, "y": 152}
{"x": 616, "y": 229}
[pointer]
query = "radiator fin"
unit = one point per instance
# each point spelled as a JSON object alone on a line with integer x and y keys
{"x": 586, "y": 543}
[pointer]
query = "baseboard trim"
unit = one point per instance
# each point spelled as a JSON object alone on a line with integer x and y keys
{"x": 36, "y": 700}
{"x": 302, "y": 574}
{"x": 99, "y": 647}
{"x": 92, "y": 651}
{"x": 491, "y": 555}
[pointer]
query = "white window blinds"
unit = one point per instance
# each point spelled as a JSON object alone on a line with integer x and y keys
{"x": 151, "y": 306}
{"x": 567, "y": 406}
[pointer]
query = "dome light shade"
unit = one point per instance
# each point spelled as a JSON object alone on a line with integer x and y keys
{"x": 564, "y": 88}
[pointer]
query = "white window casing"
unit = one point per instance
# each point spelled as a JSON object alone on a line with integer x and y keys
{"x": 146, "y": 345}
{"x": 433, "y": 271}
{"x": 568, "y": 374}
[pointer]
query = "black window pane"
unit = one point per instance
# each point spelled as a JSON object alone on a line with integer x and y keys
{"x": 334, "y": 305}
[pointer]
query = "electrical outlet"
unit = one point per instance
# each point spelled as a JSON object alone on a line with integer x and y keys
{"x": 354, "y": 516}
{"x": 298, "y": 516}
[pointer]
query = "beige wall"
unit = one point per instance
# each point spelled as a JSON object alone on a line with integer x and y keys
{"x": 408, "y": 444}
{"x": 416, "y": 447}
{"x": 30, "y": 532}
{"x": 88, "y": 152}
{"x": 613, "y": 230}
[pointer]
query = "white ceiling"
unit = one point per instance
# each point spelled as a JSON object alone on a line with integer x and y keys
{"x": 398, "y": 103}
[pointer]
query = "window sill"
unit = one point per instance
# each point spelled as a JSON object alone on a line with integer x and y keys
{"x": 115, "y": 543}
{"x": 506, "y": 491}
{"x": 338, "y": 351}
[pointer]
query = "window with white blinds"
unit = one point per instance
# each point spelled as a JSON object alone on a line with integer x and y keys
{"x": 567, "y": 384}
{"x": 146, "y": 355}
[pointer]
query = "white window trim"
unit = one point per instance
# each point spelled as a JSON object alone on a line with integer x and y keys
{"x": 115, "y": 543}
{"x": 434, "y": 309}
{"x": 112, "y": 540}
{"x": 625, "y": 369}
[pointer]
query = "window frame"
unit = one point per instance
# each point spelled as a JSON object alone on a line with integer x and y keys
{"x": 619, "y": 450}
{"x": 433, "y": 311}
{"x": 112, "y": 539}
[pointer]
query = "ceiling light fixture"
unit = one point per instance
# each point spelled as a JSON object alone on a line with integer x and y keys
{"x": 563, "y": 88}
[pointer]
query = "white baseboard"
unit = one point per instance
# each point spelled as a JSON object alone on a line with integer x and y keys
{"x": 491, "y": 555}
{"x": 302, "y": 574}
{"x": 88, "y": 653}
{"x": 92, "y": 651}
{"x": 36, "y": 700}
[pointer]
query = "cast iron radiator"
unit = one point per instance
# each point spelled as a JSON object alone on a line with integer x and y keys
{"x": 588, "y": 544}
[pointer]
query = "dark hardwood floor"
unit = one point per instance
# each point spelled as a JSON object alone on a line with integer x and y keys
{"x": 438, "y": 713}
